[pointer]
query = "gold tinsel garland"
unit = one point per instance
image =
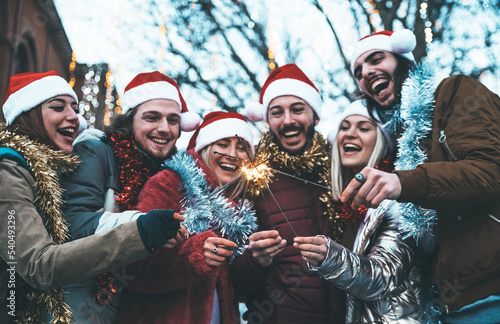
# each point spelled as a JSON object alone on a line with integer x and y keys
{"x": 315, "y": 160}
{"x": 45, "y": 164}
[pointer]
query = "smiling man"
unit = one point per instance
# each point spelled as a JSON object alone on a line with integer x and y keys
{"x": 448, "y": 160}
{"x": 279, "y": 287}
{"x": 103, "y": 191}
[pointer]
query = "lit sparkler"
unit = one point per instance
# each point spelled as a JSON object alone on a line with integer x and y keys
{"x": 260, "y": 174}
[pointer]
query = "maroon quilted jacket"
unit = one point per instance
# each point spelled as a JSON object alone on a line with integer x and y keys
{"x": 176, "y": 285}
{"x": 287, "y": 292}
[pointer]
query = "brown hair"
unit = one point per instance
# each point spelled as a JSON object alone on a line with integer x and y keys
{"x": 30, "y": 123}
{"x": 122, "y": 123}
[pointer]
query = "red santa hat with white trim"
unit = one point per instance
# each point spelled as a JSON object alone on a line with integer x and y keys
{"x": 155, "y": 85}
{"x": 285, "y": 80}
{"x": 218, "y": 125}
{"x": 401, "y": 42}
{"x": 28, "y": 90}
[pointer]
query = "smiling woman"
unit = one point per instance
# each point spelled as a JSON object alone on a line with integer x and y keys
{"x": 395, "y": 286}
{"x": 35, "y": 145}
{"x": 190, "y": 283}
{"x": 44, "y": 107}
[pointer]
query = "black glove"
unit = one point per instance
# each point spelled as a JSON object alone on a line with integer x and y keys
{"x": 157, "y": 227}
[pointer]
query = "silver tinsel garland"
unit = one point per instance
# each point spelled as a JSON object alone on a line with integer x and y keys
{"x": 415, "y": 113}
{"x": 204, "y": 212}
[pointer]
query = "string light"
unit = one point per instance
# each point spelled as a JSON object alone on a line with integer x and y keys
{"x": 90, "y": 89}
{"x": 372, "y": 10}
{"x": 71, "y": 69}
{"x": 273, "y": 38}
{"x": 427, "y": 23}
{"x": 109, "y": 108}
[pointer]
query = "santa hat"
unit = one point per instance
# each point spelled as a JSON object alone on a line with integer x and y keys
{"x": 218, "y": 125}
{"x": 28, "y": 90}
{"x": 155, "y": 85}
{"x": 285, "y": 80}
{"x": 400, "y": 42}
{"x": 358, "y": 107}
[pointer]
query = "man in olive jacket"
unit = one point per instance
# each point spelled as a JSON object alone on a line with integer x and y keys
{"x": 459, "y": 177}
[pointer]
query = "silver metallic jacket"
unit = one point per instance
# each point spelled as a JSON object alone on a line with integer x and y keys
{"x": 382, "y": 279}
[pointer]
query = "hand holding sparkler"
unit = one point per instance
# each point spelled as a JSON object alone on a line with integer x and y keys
{"x": 313, "y": 249}
{"x": 264, "y": 246}
{"x": 217, "y": 249}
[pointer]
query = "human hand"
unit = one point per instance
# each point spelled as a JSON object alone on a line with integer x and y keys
{"x": 378, "y": 185}
{"x": 217, "y": 249}
{"x": 312, "y": 248}
{"x": 264, "y": 246}
{"x": 182, "y": 233}
{"x": 158, "y": 227}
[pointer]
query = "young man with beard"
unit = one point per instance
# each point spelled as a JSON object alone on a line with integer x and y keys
{"x": 103, "y": 191}
{"x": 279, "y": 288}
{"x": 449, "y": 160}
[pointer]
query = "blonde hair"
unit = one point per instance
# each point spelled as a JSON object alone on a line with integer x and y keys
{"x": 339, "y": 172}
{"x": 235, "y": 190}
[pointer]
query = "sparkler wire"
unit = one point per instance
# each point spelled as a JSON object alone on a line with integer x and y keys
{"x": 281, "y": 210}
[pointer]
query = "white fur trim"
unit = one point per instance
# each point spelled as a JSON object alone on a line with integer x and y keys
{"x": 34, "y": 94}
{"x": 358, "y": 107}
{"x": 149, "y": 91}
{"x": 255, "y": 112}
{"x": 190, "y": 121}
{"x": 227, "y": 127}
{"x": 292, "y": 87}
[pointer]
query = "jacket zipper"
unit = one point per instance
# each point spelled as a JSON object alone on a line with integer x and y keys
{"x": 442, "y": 140}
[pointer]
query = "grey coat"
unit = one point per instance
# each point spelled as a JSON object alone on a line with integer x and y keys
{"x": 385, "y": 277}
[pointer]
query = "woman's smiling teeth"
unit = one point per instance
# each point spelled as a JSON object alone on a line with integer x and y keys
{"x": 67, "y": 132}
{"x": 228, "y": 167}
{"x": 351, "y": 148}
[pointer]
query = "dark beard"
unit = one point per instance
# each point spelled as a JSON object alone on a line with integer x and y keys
{"x": 309, "y": 132}
{"x": 401, "y": 73}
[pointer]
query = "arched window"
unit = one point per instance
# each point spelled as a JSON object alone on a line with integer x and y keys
{"x": 26, "y": 55}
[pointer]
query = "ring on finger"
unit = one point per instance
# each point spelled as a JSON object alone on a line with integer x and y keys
{"x": 360, "y": 178}
{"x": 215, "y": 250}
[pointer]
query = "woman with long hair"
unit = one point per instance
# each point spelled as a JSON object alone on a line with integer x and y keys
{"x": 190, "y": 283}
{"x": 41, "y": 123}
{"x": 385, "y": 275}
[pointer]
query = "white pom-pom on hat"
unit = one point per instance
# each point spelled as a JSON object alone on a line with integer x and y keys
{"x": 190, "y": 121}
{"x": 255, "y": 111}
{"x": 403, "y": 41}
